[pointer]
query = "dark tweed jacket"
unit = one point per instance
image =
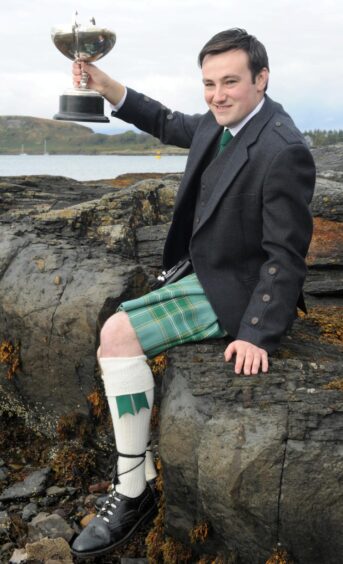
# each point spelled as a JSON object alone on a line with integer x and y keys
{"x": 248, "y": 248}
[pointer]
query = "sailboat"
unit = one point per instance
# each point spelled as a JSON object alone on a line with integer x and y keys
{"x": 45, "y": 148}
{"x": 22, "y": 152}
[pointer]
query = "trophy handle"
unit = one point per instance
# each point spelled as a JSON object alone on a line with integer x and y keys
{"x": 84, "y": 80}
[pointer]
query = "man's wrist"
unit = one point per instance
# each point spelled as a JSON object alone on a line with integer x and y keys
{"x": 116, "y": 107}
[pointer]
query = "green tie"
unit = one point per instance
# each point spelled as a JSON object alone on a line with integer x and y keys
{"x": 225, "y": 139}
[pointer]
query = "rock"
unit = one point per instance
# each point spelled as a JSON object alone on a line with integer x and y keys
{"x": 87, "y": 519}
{"x": 18, "y": 556}
{"x": 50, "y": 550}
{"x": 56, "y": 491}
{"x": 90, "y": 249}
{"x": 5, "y": 525}
{"x": 51, "y": 526}
{"x": 30, "y": 510}
{"x": 258, "y": 458}
{"x": 33, "y": 485}
{"x": 329, "y": 158}
{"x": 3, "y": 474}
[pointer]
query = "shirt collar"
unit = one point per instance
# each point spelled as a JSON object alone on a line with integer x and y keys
{"x": 234, "y": 130}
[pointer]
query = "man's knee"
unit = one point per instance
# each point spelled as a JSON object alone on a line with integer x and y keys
{"x": 117, "y": 335}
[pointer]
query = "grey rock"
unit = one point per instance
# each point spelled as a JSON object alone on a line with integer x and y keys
{"x": 5, "y": 525}
{"x": 33, "y": 485}
{"x": 62, "y": 273}
{"x": 328, "y": 199}
{"x": 30, "y": 510}
{"x": 51, "y": 526}
{"x": 258, "y": 458}
{"x": 329, "y": 158}
{"x": 56, "y": 491}
{"x": 3, "y": 474}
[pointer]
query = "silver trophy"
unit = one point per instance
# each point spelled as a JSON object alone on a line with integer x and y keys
{"x": 87, "y": 43}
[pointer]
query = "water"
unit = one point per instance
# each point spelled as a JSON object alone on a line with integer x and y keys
{"x": 88, "y": 167}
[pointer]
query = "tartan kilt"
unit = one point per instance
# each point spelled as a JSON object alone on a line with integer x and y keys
{"x": 174, "y": 314}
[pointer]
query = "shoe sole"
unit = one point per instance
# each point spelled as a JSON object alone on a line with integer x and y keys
{"x": 143, "y": 521}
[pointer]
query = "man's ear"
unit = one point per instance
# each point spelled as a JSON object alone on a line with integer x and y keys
{"x": 262, "y": 79}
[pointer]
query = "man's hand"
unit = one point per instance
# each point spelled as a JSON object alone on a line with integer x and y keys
{"x": 112, "y": 90}
{"x": 248, "y": 357}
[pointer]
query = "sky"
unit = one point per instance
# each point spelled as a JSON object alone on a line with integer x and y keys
{"x": 157, "y": 46}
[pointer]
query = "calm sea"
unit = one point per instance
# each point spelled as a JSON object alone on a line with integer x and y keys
{"x": 88, "y": 167}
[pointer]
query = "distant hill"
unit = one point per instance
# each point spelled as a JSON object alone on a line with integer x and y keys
{"x": 34, "y": 136}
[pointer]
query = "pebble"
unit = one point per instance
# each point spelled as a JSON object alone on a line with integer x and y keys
{"x": 87, "y": 519}
{"x": 33, "y": 485}
{"x": 30, "y": 510}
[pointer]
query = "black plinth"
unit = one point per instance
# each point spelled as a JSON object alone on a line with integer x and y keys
{"x": 81, "y": 108}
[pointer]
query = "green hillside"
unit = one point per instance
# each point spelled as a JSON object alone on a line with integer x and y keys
{"x": 24, "y": 134}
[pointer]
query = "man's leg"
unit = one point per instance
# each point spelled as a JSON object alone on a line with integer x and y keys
{"x": 128, "y": 383}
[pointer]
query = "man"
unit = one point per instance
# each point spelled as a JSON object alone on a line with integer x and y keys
{"x": 242, "y": 217}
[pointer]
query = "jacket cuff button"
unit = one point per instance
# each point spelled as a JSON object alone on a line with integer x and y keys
{"x": 272, "y": 270}
{"x": 266, "y": 298}
{"x": 254, "y": 321}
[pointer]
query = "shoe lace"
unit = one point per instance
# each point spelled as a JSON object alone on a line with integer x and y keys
{"x": 110, "y": 504}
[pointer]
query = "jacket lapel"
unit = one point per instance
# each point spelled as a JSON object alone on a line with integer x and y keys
{"x": 236, "y": 156}
{"x": 208, "y": 131}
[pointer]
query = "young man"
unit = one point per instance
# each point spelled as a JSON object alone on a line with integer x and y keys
{"x": 242, "y": 216}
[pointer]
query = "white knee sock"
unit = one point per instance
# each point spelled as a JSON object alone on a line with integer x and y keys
{"x": 129, "y": 376}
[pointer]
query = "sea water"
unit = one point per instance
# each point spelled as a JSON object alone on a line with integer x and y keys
{"x": 88, "y": 167}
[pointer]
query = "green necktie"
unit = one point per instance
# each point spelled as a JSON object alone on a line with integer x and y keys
{"x": 224, "y": 140}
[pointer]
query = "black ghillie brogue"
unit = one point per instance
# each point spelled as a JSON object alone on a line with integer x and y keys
{"x": 116, "y": 522}
{"x": 103, "y": 499}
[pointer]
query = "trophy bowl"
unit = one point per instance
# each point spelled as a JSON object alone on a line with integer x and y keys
{"x": 86, "y": 43}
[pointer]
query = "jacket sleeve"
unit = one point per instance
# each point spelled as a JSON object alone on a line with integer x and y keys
{"x": 287, "y": 231}
{"x": 172, "y": 128}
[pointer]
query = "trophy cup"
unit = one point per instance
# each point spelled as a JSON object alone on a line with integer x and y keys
{"x": 82, "y": 43}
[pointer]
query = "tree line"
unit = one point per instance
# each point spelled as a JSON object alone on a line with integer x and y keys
{"x": 321, "y": 137}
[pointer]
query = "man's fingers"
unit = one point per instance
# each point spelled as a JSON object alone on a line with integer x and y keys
{"x": 265, "y": 363}
{"x": 256, "y": 364}
{"x": 240, "y": 356}
{"x": 249, "y": 359}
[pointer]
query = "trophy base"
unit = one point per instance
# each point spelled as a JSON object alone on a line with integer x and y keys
{"x": 82, "y": 107}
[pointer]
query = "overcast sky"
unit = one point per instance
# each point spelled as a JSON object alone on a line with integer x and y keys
{"x": 157, "y": 46}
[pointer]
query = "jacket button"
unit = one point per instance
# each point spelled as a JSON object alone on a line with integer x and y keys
{"x": 266, "y": 298}
{"x": 272, "y": 270}
{"x": 170, "y": 116}
{"x": 198, "y": 220}
{"x": 254, "y": 321}
{"x": 278, "y": 123}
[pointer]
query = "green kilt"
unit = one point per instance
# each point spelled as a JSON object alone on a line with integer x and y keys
{"x": 174, "y": 314}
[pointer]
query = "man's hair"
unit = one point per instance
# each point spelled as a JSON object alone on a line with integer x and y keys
{"x": 237, "y": 38}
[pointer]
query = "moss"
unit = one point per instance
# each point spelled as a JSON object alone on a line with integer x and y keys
{"x": 73, "y": 465}
{"x": 174, "y": 552}
{"x": 98, "y": 404}
{"x": 199, "y": 532}
{"x": 74, "y": 425}
{"x": 10, "y": 355}
{"x": 329, "y": 319}
{"x": 334, "y": 385}
{"x": 279, "y": 556}
{"x": 158, "y": 364}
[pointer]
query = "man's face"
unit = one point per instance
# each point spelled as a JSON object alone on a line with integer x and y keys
{"x": 230, "y": 92}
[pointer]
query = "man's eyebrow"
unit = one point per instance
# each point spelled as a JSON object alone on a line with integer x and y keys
{"x": 226, "y": 77}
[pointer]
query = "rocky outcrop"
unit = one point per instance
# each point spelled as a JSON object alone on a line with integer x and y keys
{"x": 257, "y": 459}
